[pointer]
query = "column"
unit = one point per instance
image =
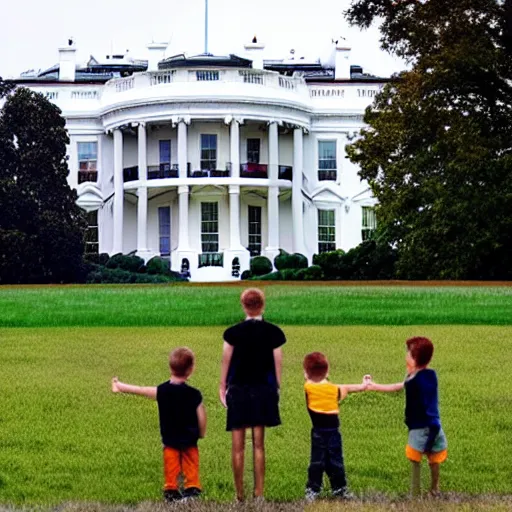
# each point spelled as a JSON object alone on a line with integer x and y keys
{"x": 142, "y": 205}
{"x": 183, "y": 218}
{"x": 273, "y": 191}
{"x": 117, "y": 246}
{"x": 297, "y": 216}
{"x": 234, "y": 218}
{"x": 234, "y": 139}
{"x": 182, "y": 149}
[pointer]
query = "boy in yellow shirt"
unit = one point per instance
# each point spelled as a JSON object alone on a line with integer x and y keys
{"x": 322, "y": 399}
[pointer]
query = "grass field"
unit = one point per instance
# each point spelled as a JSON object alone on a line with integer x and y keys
{"x": 292, "y": 304}
{"x": 65, "y": 438}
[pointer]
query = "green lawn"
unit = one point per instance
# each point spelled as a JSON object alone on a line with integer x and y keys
{"x": 92, "y": 306}
{"x": 65, "y": 437}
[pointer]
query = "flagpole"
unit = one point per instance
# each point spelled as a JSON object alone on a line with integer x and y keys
{"x": 205, "y": 26}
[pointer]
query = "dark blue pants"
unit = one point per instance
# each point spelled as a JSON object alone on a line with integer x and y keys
{"x": 326, "y": 455}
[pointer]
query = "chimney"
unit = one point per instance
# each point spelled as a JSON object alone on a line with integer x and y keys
{"x": 254, "y": 52}
{"x": 342, "y": 62}
{"x": 67, "y": 62}
{"x": 156, "y": 54}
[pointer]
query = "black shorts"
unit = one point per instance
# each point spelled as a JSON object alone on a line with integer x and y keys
{"x": 252, "y": 406}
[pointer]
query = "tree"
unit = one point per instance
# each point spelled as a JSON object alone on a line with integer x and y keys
{"x": 437, "y": 150}
{"x": 41, "y": 227}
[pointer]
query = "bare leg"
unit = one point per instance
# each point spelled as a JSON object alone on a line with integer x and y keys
{"x": 415, "y": 478}
{"x": 434, "y": 473}
{"x": 258, "y": 446}
{"x": 237, "y": 460}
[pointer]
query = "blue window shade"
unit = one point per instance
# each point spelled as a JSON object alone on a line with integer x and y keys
{"x": 165, "y": 151}
{"x": 87, "y": 151}
{"x": 164, "y": 229}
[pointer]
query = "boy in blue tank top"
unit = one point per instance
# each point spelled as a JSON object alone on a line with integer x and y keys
{"x": 426, "y": 437}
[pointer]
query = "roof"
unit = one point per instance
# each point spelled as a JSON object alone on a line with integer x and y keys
{"x": 206, "y": 60}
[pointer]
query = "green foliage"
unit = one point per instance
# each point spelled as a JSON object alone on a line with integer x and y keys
{"x": 331, "y": 263}
{"x": 288, "y": 274}
{"x": 106, "y": 275}
{"x": 41, "y": 227}
{"x": 285, "y": 260}
{"x": 272, "y": 276}
{"x": 157, "y": 265}
{"x": 131, "y": 263}
{"x": 260, "y": 265}
{"x": 312, "y": 273}
{"x": 98, "y": 259}
{"x": 246, "y": 274}
{"x": 437, "y": 149}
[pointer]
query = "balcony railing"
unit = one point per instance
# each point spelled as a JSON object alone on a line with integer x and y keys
{"x": 131, "y": 173}
{"x": 87, "y": 175}
{"x": 210, "y": 173}
{"x": 253, "y": 170}
{"x": 211, "y": 259}
{"x": 286, "y": 172}
{"x": 327, "y": 175}
{"x": 163, "y": 171}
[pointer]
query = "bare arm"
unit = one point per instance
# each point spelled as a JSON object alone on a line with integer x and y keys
{"x": 345, "y": 389}
{"x": 121, "y": 387}
{"x": 201, "y": 420}
{"x": 278, "y": 361}
{"x": 386, "y": 388}
{"x": 227, "y": 354}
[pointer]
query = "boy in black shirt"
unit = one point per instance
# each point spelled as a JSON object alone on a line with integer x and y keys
{"x": 182, "y": 422}
{"x": 249, "y": 385}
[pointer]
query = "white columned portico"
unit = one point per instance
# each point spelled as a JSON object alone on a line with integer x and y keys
{"x": 297, "y": 215}
{"x": 234, "y": 144}
{"x": 142, "y": 205}
{"x": 117, "y": 246}
{"x": 183, "y": 240}
{"x": 272, "y": 250}
{"x": 182, "y": 123}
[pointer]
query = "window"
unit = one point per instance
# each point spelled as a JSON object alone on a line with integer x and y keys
{"x": 369, "y": 222}
{"x": 202, "y": 76}
{"x": 164, "y": 230}
{"x": 87, "y": 161}
{"x": 210, "y": 227}
{"x": 327, "y": 160}
{"x": 254, "y": 230}
{"x": 208, "y": 152}
{"x": 165, "y": 151}
{"x": 91, "y": 233}
{"x": 253, "y": 151}
{"x": 326, "y": 231}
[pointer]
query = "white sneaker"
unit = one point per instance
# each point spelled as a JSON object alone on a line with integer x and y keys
{"x": 311, "y": 495}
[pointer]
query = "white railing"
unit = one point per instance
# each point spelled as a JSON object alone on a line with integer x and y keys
{"x": 85, "y": 95}
{"x": 51, "y": 95}
{"x": 161, "y": 77}
{"x": 327, "y": 92}
{"x": 249, "y": 77}
{"x": 350, "y": 92}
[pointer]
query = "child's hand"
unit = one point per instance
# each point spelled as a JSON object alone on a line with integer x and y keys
{"x": 367, "y": 381}
{"x": 115, "y": 387}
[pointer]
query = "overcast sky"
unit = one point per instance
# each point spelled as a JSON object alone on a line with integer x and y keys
{"x": 32, "y": 30}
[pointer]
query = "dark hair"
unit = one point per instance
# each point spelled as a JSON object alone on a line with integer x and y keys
{"x": 316, "y": 365}
{"x": 181, "y": 361}
{"x": 421, "y": 350}
{"x": 253, "y": 300}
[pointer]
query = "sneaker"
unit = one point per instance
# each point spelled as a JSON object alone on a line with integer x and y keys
{"x": 172, "y": 496}
{"x": 192, "y": 493}
{"x": 343, "y": 494}
{"x": 311, "y": 495}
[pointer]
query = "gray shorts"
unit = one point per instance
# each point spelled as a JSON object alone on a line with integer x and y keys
{"x": 418, "y": 439}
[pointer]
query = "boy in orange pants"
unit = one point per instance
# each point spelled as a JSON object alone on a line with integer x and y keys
{"x": 182, "y": 422}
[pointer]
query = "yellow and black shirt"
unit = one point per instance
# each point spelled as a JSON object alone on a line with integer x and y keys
{"x": 322, "y": 399}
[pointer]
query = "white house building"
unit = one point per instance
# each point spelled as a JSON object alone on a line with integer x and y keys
{"x": 205, "y": 159}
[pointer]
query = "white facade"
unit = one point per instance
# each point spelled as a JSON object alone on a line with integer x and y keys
{"x": 151, "y": 201}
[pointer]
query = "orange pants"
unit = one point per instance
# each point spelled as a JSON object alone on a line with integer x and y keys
{"x": 181, "y": 461}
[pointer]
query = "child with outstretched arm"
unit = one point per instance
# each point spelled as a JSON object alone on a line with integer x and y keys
{"x": 182, "y": 422}
{"x": 322, "y": 400}
{"x": 426, "y": 437}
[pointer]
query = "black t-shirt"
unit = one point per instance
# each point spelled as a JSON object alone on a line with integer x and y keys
{"x": 177, "y": 410}
{"x": 252, "y": 362}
